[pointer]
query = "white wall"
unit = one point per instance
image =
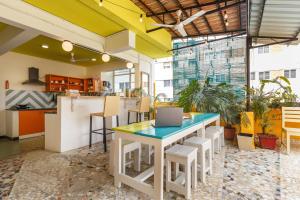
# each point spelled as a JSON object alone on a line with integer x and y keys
{"x": 14, "y": 68}
{"x": 279, "y": 58}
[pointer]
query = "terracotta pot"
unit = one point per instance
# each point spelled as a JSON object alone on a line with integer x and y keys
{"x": 229, "y": 133}
{"x": 267, "y": 141}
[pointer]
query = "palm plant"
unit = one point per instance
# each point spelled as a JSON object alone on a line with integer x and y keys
{"x": 205, "y": 97}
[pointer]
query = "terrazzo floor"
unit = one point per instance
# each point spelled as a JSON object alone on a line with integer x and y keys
{"x": 82, "y": 174}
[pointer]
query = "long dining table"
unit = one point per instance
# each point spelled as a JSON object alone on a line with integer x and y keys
{"x": 159, "y": 137}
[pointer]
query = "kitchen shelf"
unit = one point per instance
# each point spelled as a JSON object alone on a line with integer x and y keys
{"x": 56, "y": 83}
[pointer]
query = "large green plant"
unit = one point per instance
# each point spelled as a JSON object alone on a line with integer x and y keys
{"x": 262, "y": 101}
{"x": 206, "y": 97}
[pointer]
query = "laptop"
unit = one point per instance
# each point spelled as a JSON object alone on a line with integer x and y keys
{"x": 168, "y": 116}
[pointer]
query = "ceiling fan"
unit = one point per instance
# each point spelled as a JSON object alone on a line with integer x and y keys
{"x": 179, "y": 26}
{"x": 73, "y": 60}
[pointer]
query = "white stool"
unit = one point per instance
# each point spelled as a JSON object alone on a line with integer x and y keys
{"x": 128, "y": 148}
{"x": 186, "y": 156}
{"x": 148, "y": 152}
{"x": 204, "y": 147}
{"x": 220, "y": 129}
{"x": 214, "y": 136}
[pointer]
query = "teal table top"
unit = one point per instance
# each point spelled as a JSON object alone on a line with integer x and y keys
{"x": 146, "y": 129}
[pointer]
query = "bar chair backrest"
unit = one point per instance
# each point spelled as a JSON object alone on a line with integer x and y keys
{"x": 290, "y": 114}
{"x": 145, "y": 104}
{"x": 111, "y": 106}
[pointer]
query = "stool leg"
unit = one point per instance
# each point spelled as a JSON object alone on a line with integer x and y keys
{"x": 91, "y": 124}
{"x": 194, "y": 173}
{"x": 213, "y": 147}
{"x": 128, "y": 121}
{"x": 140, "y": 116}
{"x": 168, "y": 175}
{"x": 202, "y": 166}
{"x": 104, "y": 134}
{"x": 124, "y": 162}
{"x": 176, "y": 170}
{"x": 210, "y": 161}
{"x": 117, "y": 120}
{"x": 137, "y": 117}
{"x": 187, "y": 169}
{"x": 137, "y": 159}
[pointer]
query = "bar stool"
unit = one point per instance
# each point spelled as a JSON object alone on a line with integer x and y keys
{"x": 204, "y": 147}
{"x": 111, "y": 108}
{"x": 214, "y": 136}
{"x": 187, "y": 156}
{"x": 144, "y": 107}
{"x": 220, "y": 129}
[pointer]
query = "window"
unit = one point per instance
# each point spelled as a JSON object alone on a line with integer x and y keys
{"x": 293, "y": 73}
{"x": 167, "y": 83}
{"x": 123, "y": 79}
{"x": 287, "y": 73}
{"x": 290, "y": 73}
{"x": 261, "y": 76}
{"x": 220, "y": 78}
{"x": 264, "y": 75}
{"x": 267, "y": 75}
{"x": 260, "y": 50}
{"x": 252, "y": 75}
{"x": 266, "y": 49}
{"x": 167, "y": 65}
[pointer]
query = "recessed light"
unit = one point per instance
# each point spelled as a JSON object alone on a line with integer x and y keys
{"x": 45, "y": 46}
{"x": 94, "y": 59}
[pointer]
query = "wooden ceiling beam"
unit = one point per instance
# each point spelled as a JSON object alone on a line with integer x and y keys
{"x": 151, "y": 11}
{"x": 186, "y": 14}
{"x": 204, "y": 17}
{"x": 190, "y": 7}
{"x": 212, "y": 34}
{"x": 221, "y": 15}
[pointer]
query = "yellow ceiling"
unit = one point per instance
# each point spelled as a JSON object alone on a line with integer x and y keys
{"x": 110, "y": 19}
{"x": 2, "y": 26}
{"x": 55, "y": 52}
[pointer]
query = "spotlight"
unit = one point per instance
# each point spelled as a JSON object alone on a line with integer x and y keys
{"x": 45, "y": 46}
{"x": 100, "y": 3}
{"x": 129, "y": 65}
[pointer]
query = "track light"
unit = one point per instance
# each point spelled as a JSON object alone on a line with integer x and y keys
{"x": 100, "y": 3}
{"x": 141, "y": 18}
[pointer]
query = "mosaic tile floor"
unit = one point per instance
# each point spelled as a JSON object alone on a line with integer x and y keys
{"x": 82, "y": 174}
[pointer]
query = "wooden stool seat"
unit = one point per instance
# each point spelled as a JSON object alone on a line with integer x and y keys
{"x": 187, "y": 156}
{"x": 144, "y": 107}
{"x": 100, "y": 114}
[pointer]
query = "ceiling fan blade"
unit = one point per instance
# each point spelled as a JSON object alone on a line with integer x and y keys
{"x": 181, "y": 30}
{"x": 193, "y": 17}
{"x": 164, "y": 25}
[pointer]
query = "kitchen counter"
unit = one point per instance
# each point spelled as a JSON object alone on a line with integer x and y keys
{"x": 69, "y": 128}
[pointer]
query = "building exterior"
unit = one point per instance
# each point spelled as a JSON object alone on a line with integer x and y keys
{"x": 271, "y": 61}
{"x": 163, "y": 76}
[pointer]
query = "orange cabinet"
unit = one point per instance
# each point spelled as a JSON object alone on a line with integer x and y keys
{"x": 31, "y": 121}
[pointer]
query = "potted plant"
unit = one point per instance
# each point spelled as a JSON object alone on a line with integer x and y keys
{"x": 219, "y": 98}
{"x": 262, "y": 103}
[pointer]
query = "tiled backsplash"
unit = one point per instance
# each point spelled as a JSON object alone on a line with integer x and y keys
{"x": 34, "y": 99}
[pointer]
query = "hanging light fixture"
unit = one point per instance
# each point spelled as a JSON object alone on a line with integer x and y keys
{"x": 100, "y": 3}
{"x": 141, "y": 18}
{"x": 225, "y": 15}
{"x": 67, "y": 46}
{"x": 226, "y": 22}
{"x": 105, "y": 57}
{"x": 129, "y": 65}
